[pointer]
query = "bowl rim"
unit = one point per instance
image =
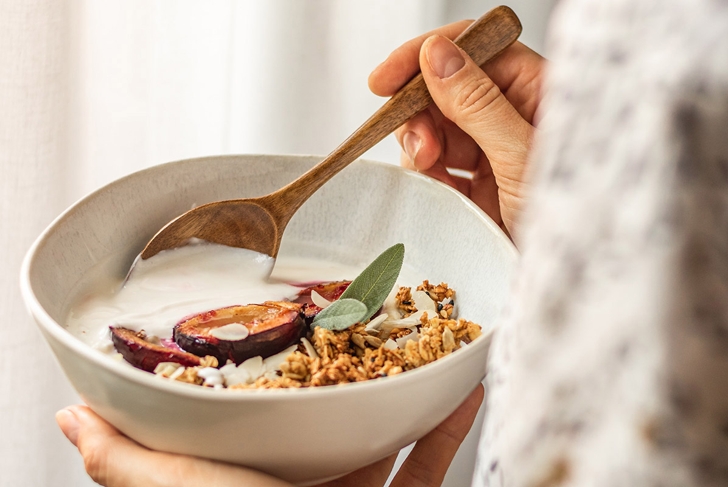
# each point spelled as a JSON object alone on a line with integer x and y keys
{"x": 130, "y": 373}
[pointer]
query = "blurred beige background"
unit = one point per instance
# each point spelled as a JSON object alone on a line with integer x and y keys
{"x": 91, "y": 91}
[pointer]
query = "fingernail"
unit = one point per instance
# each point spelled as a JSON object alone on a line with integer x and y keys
{"x": 69, "y": 424}
{"x": 412, "y": 144}
{"x": 444, "y": 57}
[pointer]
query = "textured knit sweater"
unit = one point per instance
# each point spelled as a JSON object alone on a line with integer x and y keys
{"x": 610, "y": 367}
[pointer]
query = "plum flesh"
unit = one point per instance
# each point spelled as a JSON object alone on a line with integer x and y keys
{"x": 331, "y": 291}
{"x": 272, "y": 327}
{"x": 145, "y": 355}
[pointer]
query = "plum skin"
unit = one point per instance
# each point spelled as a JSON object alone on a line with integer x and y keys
{"x": 146, "y": 355}
{"x": 273, "y": 326}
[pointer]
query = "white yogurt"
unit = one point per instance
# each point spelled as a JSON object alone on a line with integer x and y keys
{"x": 174, "y": 284}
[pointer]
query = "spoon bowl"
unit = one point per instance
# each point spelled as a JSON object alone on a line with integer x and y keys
{"x": 258, "y": 223}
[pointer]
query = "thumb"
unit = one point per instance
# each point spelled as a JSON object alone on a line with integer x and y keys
{"x": 113, "y": 460}
{"x": 468, "y": 97}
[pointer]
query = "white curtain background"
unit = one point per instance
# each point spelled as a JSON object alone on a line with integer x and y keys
{"x": 91, "y": 91}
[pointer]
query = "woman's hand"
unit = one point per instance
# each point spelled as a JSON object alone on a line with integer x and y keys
{"x": 113, "y": 460}
{"x": 482, "y": 122}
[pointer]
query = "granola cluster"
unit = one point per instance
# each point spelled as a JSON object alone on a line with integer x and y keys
{"x": 405, "y": 304}
{"x": 361, "y": 353}
{"x": 442, "y": 295}
{"x": 189, "y": 375}
{"x": 381, "y": 347}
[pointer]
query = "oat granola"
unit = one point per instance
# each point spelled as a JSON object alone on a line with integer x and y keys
{"x": 355, "y": 354}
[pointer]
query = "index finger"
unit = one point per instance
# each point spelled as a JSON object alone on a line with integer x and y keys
{"x": 429, "y": 460}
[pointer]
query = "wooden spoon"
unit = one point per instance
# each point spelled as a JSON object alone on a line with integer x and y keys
{"x": 258, "y": 223}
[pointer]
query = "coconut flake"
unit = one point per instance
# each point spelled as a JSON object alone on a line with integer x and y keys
{"x": 408, "y": 322}
{"x": 166, "y": 368}
{"x": 177, "y": 373}
{"x": 319, "y": 300}
{"x": 232, "y": 332}
{"x": 245, "y": 373}
{"x": 390, "y": 344}
{"x": 228, "y": 373}
{"x": 402, "y": 341}
{"x": 253, "y": 366}
{"x": 390, "y": 307}
{"x": 238, "y": 377}
{"x": 423, "y": 302}
{"x": 309, "y": 348}
{"x": 376, "y": 323}
{"x": 273, "y": 363}
{"x": 228, "y": 368}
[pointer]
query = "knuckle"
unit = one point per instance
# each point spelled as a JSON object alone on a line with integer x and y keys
{"x": 450, "y": 436}
{"x": 476, "y": 97}
{"x": 94, "y": 460}
{"x": 420, "y": 473}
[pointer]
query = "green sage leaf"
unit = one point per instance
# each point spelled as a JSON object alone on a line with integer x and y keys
{"x": 341, "y": 314}
{"x": 376, "y": 281}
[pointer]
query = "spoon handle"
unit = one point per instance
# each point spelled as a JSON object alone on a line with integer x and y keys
{"x": 482, "y": 40}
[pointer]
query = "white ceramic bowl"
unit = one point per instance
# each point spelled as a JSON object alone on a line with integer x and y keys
{"x": 308, "y": 435}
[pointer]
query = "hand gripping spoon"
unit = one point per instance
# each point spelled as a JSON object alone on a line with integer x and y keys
{"x": 258, "y": 223}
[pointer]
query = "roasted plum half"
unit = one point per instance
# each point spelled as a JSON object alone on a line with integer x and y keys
{"x": 330, "y": 291}
{"x": 145, "y": 355}
{"x": 241, "y": 332}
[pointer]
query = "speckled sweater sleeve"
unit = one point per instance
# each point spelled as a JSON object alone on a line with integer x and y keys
{"x": 611, "y": 365}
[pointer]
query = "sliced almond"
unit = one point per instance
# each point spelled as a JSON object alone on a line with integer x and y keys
{"x": 319, "y": 300}
{"x": 310, "y": 350}
{"x": 232, "y": 332}
{"x": 358, "y": 340}
{"x": 373, "y": 341}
